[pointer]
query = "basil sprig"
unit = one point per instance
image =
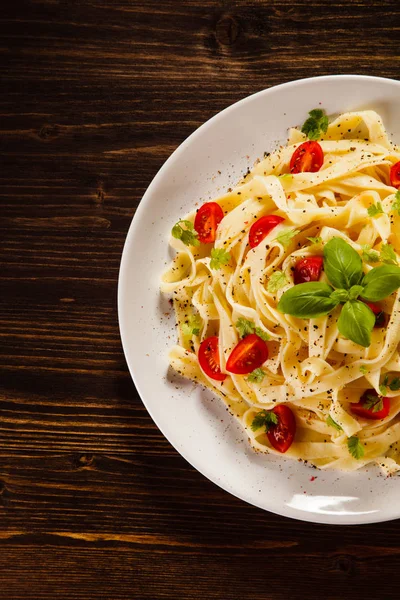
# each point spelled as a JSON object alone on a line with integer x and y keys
{"x": 344, "y": 269}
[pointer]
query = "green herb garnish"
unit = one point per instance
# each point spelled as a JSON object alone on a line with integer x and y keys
{"x": 276, "y": 281}
{"x": 363, "y": 369}
{"x": 375, "y": 209}
{"x": 192, "y": 326}
{"x": 256, "y": 376}
{"x": 187, "y": 235}
{"x": 316, "y": 124}
{"x": 388, "y": 254}
{"x": 264, "y": 419}
{"x": 246, "y": 327}
{"x": 219, "y": 257}
{"x": 333, "y": 423}
{"x": 262, "y": 334}
{"x": 373, "y": 402}
{"x": 368, "y": 254}
{"x": 355, "y": 447}
{"x": 393, "y": 385}
{"x": 286, "y": 236}
{"x": 396, "y": 203}
{"x": 315, "y": 240}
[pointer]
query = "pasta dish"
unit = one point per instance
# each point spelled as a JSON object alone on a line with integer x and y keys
{"x": 287, "y": 300}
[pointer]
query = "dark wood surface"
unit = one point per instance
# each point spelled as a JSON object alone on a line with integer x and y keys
{"x": 94, "y": 502}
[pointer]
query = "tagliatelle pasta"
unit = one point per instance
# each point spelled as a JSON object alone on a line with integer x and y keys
{"x": 311, "y": 367}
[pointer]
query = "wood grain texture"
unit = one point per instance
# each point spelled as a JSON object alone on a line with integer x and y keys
{"x": 94, "y": 502}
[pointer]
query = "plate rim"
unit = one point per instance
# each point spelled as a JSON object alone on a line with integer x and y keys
{"x": 309, "y": 517}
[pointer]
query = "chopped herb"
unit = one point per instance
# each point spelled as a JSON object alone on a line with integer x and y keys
{"x": 256, "y": 376}
{"x": 286, "y": 236}
{"x": 316, "y": 124}
{"x": 375, "y": 209}
{"x": 393, "y": 385}
{"x": 276, "y": 281}
{"x": 383, "y": 385}
{"x": 244, "y": 327}
{"x": 333, "y": 423}
{"x": 374, "y": 403}
{"x": 262, "y": 334}
{"x": 285, "y": 176}
{"x": 315, "y": 240}
{"x": 388, "y": 254}
{"x": 364, "y": 369}
{"x": 188, "y": 236}
{"x": 219, "y": 257}
{"x": 355, "y": 447}
{"x": 192, "y": 327}
{"x": 368, "y": 254}
{"x": 264, "y": 419}
{"x": 396, "y": 203}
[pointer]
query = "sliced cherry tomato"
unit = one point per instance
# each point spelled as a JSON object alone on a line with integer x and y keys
{"x": 282, "y": 434}
{"x": 308, "y": 157}
{"x": 261, "y": 228}
{"x": 380, "y": 318}
{"x": 308, "y": 269}
{"x": 365, "y": 409}
{"x": 249, "y": 354}
{"x": 209, "y": 358}
{"x": 395, "y": 175}
{"x": 207, "y": 219}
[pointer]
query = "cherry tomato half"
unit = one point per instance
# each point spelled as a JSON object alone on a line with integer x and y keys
{"x": 380, "y": 318}
{"x": 207, "y": 220}
{"x": 209, "y": 359}
{"x": 249, "y": 354}
{"x": 282, "y": 434}
{"x": 395, "y": 175}
{"x": 361, "y": 408}
{"x": 308, "y": 157}
{"x": 261, "y": 228}
{"x": 308, "y": 269}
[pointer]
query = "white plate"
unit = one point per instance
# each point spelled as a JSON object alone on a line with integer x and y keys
{"x": 195, "y": 422}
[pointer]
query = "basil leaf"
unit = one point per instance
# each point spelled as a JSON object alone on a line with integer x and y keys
{"x": 308, "y": 300}
{"x": 355, "y": 291}
{"x": 356, "y": 322}
{"x": 340, "y": 295}
{"x": 381, "y": 282}
{"x": 342, "y": 264}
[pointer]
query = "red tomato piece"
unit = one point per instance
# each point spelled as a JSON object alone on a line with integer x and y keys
{"x": 395, "y": 175}
{"x": 364, "y": 409}
{"x": 249, "y": 354}
{"x": 308, "y": 269}
{"x": 209, "y": 358}
{"x": 308, "y": 157}
{"x": 282, "y": 434}
{"x": 207, "y": 219}
{"x": 380, "y": 318}
{"x": 261, "y": 228}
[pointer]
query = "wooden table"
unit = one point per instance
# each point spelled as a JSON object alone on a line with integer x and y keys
{"x": 94, "y": 502}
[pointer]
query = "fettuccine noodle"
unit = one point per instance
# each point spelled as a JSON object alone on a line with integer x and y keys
{"x": 311, "y": 367}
